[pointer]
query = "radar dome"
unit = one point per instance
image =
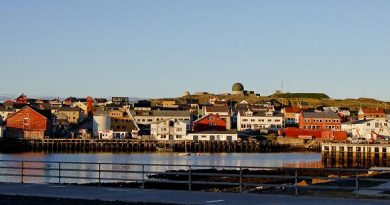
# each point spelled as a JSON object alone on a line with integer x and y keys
{"x": 238, "y": 87}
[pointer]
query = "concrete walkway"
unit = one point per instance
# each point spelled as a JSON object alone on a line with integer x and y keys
{"x": 169, "y": 196}
{"x": 376, "y": 191}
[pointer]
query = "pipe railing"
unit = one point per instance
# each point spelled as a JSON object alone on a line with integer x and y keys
{"x": 189, "y": 175}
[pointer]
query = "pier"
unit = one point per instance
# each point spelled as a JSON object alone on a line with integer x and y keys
{"x": 355, "y": 155}
{"x": 128, "y": 145}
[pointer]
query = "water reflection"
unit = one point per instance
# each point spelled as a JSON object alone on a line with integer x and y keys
{"x": 84, "y": 172}
{"x": 355, "y": 162}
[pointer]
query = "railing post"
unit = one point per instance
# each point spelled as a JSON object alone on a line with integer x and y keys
{"x": 143, "y": 177}
{"x": 99, "y": 174}
{"x": 189, "y": 178}
{"x": 356, "y": 185}
{"x": 22, "y": 174}
{"x": 59, "y": 172}
{"x": 296, "y": 182}
{"x": 240, "y": 179}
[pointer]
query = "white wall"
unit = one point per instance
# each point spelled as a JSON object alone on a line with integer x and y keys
{"x": 365, "y": 129}
{"x": 100, "y": 123}
{"x": 162, "y": 130}
{"x": 271, "y": 123}
{"x": 207, "y": 137}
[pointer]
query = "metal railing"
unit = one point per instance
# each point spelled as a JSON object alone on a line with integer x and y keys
{"x": 243, "y": 178}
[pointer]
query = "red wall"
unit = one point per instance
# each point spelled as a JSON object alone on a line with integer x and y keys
{"x": 203, "y": 124}
{"x": 324, "y": 134}
{"x": 322, "y": 124}
{"x": 35, "y": 120}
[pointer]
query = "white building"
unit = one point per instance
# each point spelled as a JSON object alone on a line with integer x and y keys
{"x": 83, "y": 106}
{"x": 171, "y": 129}
{"x": 4, "y": 113}
{"x": 213, "y": 136}
{"x": 263, "y": 121}
{"x": 101, "y": 126}
{"x": 149, "y": 117}
{"x": 366, "y": 128}
{"x": 105, "y": 134}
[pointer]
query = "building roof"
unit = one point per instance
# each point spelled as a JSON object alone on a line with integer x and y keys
{"x": 217, "y": 109}
{"x": 170, "y": 119}
{"x": 292, "y": 110}
{"x": 44, "y": 113}
{"x": 331, "y": 115}
{"x": 216, "y": 132}
{"x": 259, "y": 114}
{"x": 207, "y": 116}
{"x": 358, "y": 122}
{"x": 68, "y": 109}
{"x": 171, "y": 113}
{"x": 2, "y": 109}
{"x": 373, "y": 110}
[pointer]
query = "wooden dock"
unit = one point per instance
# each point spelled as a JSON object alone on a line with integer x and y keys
{"x": 355, "y": 155}
{"x": 128, "y": 145}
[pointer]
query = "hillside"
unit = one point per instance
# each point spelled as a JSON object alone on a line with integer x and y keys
{"x": 311, "y": 100}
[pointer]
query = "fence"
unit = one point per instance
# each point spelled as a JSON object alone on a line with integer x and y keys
{"x": 195, "y": 177}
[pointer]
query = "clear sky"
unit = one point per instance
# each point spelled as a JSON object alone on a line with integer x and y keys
{"x": 160, "y": 48}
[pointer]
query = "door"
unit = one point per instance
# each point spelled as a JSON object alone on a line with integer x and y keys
{"x": 171, "y": 137}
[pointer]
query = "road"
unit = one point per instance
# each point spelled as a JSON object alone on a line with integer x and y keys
{"x": 167, "y": 196}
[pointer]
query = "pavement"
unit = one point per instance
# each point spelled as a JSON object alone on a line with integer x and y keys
{"x": 168, "y": 196}
{"x": 376, "y": 191}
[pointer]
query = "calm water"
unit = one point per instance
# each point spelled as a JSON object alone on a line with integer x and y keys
{"x": 224, "y": 159}
{"x": 45, "y": 170}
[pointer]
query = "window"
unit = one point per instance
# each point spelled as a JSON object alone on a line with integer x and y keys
{"x": 179, "y": 129}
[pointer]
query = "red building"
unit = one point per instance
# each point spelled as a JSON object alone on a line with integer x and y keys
{"x": 89, "y": 105}
{"x": 22, "y": 99}
{"x": 320, "y": 134}
{"x": 209, "y": 123}
{"x": 29, "y": 123}
{"x": 319, "y": 121}
{"x": 371, "y": 113}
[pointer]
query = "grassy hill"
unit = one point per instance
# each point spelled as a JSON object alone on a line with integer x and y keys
{"x": 312, "y": 99}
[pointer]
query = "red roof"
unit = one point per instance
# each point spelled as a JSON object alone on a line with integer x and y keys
{"x": 373, "y": 110}
{"x": 292, "y": 110}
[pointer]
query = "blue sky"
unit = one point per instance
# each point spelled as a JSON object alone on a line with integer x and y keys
{"x": 154, "y": 48}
